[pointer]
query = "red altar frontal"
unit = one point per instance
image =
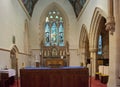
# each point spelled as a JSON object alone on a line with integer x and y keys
{"x": 54, "y": 77}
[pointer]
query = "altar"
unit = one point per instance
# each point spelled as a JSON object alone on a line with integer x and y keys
{"x": 7, "y": 77}
{"x": 54, "y": 77}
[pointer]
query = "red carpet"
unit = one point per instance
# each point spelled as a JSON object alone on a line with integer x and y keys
{"x": 94, "y": 83}
{"x": 16, "y": 84}
{"x": 97, "y": 83}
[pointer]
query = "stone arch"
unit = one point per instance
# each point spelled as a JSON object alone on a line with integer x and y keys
{"x": 14, "y": 61}
{"x": 84, "y": 44}
{"x": 43, "y": 16}
{"x": 15, "y": 48}
{"x": 95, "y": 28}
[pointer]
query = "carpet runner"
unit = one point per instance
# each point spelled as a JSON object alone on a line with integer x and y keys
{"x": 94, "y": 83}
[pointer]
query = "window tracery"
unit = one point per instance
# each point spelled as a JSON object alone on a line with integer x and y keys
{"x": 54, "y": 29}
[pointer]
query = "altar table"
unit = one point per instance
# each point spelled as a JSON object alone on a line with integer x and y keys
{"x": 7, "y": 77}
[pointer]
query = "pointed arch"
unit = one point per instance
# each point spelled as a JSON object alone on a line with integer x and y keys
{"x": 84, "y": 45}
{"x": 14, "y": 61}
{"x": 97, "y": 24}
{"x": 51, "y": 6}
{"x": 83, "y": 35}
{"x": 13, "y": 55}
{"x": 94, "y": 27}
{"x": 14, "y": 48}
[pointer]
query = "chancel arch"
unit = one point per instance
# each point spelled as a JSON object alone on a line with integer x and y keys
{"x": 97, "y": 28}
{"x": 54, "y": 46}
{"x": 84, "y": 45}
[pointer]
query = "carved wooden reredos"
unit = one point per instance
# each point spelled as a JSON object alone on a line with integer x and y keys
{"x": 54, "y": 55}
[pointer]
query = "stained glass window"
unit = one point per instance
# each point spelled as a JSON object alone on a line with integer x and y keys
{"x": 100, "y": 45}
{"x": 54, "y": 29}
{"x": 61, "y": 35}
{"x": 47, "y": 34}
{"x": 54, "y": 34}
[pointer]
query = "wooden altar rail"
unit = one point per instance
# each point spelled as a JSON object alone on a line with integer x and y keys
{"x": 54, "y": 77}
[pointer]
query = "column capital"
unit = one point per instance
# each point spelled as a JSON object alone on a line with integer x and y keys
{"x": 110, "y": 25}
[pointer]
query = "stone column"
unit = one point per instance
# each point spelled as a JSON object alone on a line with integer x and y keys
{"x": 117, "y": 26}
{"x": 93, "y": 61}
{"x": 114, "y": 47}
{"x": 83, "y": 57}
{"x": 83, "y": 54}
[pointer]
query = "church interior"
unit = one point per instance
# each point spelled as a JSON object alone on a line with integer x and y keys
{"x": 69, "y": 40}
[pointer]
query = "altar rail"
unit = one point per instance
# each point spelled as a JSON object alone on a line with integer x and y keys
{"x": 54, "y": 77}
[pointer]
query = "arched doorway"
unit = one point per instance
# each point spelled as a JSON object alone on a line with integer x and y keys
{"x": 14, "y": 61}
{"x": 84, "y": 46}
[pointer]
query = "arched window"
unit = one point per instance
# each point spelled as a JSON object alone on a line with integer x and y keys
{"x": 54, "y": 29}
{"x": 100, "y": 45}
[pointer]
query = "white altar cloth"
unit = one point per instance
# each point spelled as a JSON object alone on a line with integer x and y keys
{"x": 11, "y": 72}
{"x": 104, "y": 69}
